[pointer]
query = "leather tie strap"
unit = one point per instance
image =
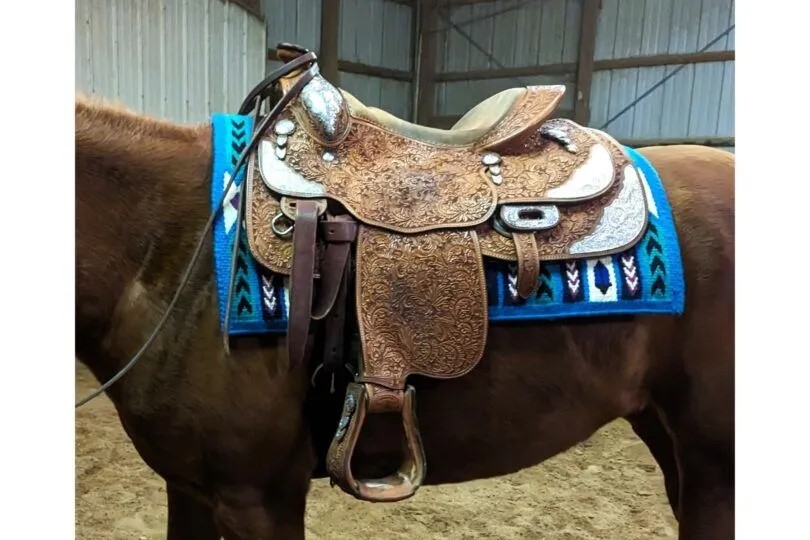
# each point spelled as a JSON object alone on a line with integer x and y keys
{"x": 302, "y": 278}
{"x": 528, "y": 260}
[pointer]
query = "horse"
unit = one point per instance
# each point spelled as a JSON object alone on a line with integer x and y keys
{"x": 237, "y": 436}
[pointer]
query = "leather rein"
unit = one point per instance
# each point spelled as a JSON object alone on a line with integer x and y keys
{"x": 252, "y": 103}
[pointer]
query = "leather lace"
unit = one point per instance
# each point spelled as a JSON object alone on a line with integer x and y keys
{"x": 253, "y": 101}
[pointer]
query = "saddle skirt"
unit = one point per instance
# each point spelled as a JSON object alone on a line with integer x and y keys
{"x": 422, "y": 209}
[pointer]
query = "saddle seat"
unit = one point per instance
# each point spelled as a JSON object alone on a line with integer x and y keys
{"x": 479, "y": 125}
{"x": 420, "y": 208}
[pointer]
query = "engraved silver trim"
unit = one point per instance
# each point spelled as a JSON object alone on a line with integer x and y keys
{"x": 510, "y": 215}
{"x": 622, "y": 221}
{"x": 589, "y": 179}
{"x": 497, "y": 179}
{"x": 281, "y": 140}
{"x": 495, "y": 169}
{"x": 281, "y": 178}
{"x": 327, "y": 109}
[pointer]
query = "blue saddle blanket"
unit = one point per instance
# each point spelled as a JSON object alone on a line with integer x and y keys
{"x": 647, "y": 278}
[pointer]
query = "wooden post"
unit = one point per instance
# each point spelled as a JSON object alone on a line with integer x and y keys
{"x": 330, "y": 33}
{"x": 587, "y": 48}
{"x": 428, "y": 17}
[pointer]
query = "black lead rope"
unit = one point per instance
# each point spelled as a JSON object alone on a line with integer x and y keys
{"x": 240, "y": 163}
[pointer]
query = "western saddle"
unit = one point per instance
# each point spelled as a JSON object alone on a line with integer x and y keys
{"x": 417, "y": 208}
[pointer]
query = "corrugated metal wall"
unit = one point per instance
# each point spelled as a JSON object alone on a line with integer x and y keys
{"x": 538, "y": 33}
{"x": 176, "y": 59}
{"x": 697, "y": 102}
{"x": 372, "y": 32}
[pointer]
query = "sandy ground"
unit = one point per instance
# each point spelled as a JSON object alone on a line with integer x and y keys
{"x": 608, "y": 487}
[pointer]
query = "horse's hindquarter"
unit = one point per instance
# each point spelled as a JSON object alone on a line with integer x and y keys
{"x": 541, "y": 388}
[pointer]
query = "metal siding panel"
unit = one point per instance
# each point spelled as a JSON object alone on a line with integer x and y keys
{"x": 606, "y": 30}
{"x": 677, "y": 100}
{"x": 395, "y": 98}
{"x": 685, "y": 26}
{"x": 126, "y": 53}
{"x": 84, "y": 59}
{"x": 714, "y": 19}
{"x": 308, "y": 24}
{"x": 216, "y": 55}
{"x": 725, "y": 120}
{"x": 257, "y": 47}
{"x": 102, "y": 54}
{"x": 647, "y": 120}
{"x": 622, "y": 91}
{"x": 600, "y": 98}
{"x": 629, "y": 22}
{"x": 527, "y": 34}
{"x": 573, "y": 21}
{"x": 371, "y": 36}
{"x": 503, "y": 37}
{"x": 396, "y": 36}
{"x": 153, "y": 64}
{"x": 174, "y": 97}
{"x": 197, "y": 63}
{"x": 235, "y": 61}
{"x": 655, "y": 30}
{"x": 480, "y": 32}
{"x": 552, "y": 32}
{"x": 347, "y": 50}
{"x": 706, "y": 99}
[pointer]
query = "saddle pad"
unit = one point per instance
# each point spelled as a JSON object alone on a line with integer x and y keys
{"x": 648, "y": 278}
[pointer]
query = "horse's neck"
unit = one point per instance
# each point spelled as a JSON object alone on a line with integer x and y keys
{"x": 141, "y": 203}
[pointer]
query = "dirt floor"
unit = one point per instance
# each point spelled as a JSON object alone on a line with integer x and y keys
{"x": 608, "y": 487}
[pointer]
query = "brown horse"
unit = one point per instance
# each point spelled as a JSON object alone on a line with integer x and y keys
{"x": 237, "y": 437}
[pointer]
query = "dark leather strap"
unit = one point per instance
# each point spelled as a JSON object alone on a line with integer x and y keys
{"x": 302, "y": 278}
{"x": 528, "y": 260}
{"x": 339, "y": 233}
{"x": 334, "y": 341}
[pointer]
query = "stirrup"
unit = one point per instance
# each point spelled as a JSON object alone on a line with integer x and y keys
{"x": 361, "y": 399}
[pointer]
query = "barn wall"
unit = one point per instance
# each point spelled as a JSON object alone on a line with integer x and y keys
{"x": 176, "y": 59}
{"x": 372, "y": 32}
{"x": 540, "y": 33}
{"x": 697, "y": 102}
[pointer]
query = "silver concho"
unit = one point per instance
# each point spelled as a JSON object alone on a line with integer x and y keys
{"x": 490, "y": 158}
{"x": 284, "y": 126}
{"x": 558, "y": 134}
{"x": 328, "y": 112}
{"x": 328, "y": 157}
{"x": 492, "y": 163}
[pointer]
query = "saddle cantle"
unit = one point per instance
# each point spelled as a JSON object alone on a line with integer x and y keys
{"x": 419, "y": 208}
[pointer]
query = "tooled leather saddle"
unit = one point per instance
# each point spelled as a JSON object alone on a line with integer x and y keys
{"x": 340, "y": 193}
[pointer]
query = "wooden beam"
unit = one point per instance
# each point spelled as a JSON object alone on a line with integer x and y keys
{"x": 375, "y": 71}
{"x": 426, "y": 65}
{"x": 506, "y": 73}
{"x": 357, "y": 67}
{"x": 330, "y": 34}
{"x": 585, "y": 62}
{"x": 702, "y": 141}
{"x": 664, "y": 60}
